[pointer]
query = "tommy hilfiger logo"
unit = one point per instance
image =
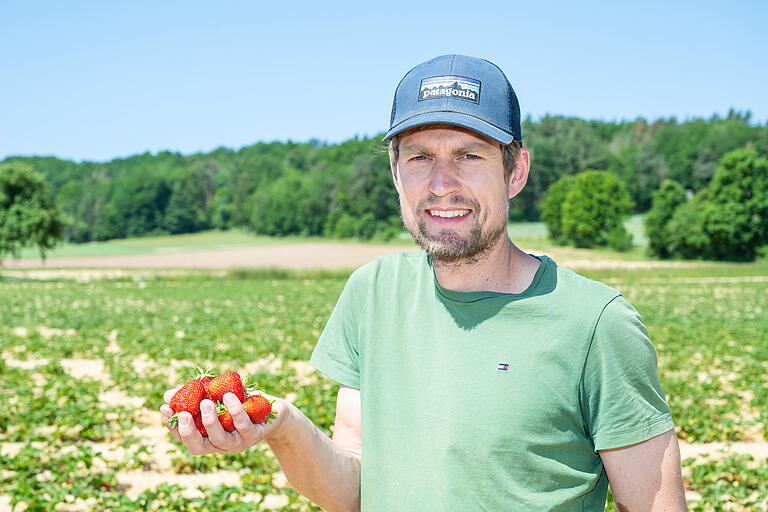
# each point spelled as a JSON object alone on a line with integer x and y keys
{"x": 450, "y": 86}
{"x": 503, "y": 367}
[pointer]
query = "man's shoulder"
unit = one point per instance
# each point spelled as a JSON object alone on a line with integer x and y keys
{"x": 390, "y": 266}
{"x": 577, "y": 286}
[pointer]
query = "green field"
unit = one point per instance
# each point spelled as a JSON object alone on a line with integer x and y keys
{"x": 72, "y": 445}
{"x": 530, "y": 234}
{"x": 204, "y": 241}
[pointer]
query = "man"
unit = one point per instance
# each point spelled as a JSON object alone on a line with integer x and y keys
{"x": 473, "y": 376}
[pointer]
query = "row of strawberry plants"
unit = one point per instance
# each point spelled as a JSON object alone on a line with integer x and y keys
{"x": 734, "y": 482}
{"x": 230, "y": 323}
{"x": 712, "y": 341}
{"x": 56, "y": 407}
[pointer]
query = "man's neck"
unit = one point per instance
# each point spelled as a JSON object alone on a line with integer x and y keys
{"x": 503, "y": 268}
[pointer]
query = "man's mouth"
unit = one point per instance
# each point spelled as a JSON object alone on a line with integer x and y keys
{"x": 449, "y": 214}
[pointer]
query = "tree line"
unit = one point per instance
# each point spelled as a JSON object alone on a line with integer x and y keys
{"x": 345, "y": 189}
{"x": 726, "y": 220}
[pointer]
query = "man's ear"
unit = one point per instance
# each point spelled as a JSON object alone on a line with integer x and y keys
{"x": 395, "y": 174}
{"x": 519, "y": 176}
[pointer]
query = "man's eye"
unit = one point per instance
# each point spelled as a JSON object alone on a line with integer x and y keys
{"x": 472, "y": 157}
{"x": 419, "y": 157}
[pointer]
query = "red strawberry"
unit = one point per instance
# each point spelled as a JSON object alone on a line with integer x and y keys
{"x": 199, "y": 424}
{"x": 227, "y": 382}
{"x": 259, "y": 409}
{"x": 188, "y": 398}
{"x": 225, "y": 418}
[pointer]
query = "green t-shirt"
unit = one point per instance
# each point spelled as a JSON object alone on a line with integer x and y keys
{"x": 490, "y": 401}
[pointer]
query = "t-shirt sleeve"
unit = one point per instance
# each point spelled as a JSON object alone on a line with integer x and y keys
{"x": 337, "y": 351}
{"x": 622, "y": 399}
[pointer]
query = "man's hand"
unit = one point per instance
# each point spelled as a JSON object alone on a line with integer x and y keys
{"x": 325, "y": 471}
{"x": 245, "y": 435}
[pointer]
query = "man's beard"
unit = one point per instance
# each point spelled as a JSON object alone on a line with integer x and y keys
{"x": 448, "y": 247}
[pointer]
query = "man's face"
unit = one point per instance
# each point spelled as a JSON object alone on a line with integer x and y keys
{"x": 453, "y": 196}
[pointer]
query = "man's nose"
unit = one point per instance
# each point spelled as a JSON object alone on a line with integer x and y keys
{"x": 443, "y": 179}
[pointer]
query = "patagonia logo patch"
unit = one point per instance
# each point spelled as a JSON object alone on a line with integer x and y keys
{"x": 457, "y": 87}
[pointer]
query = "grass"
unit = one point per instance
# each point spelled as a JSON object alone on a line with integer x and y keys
{"x": 536, "y": 232}
{"x": 532, "y": 236}
{"x": 202, "y": 241}
{"x": 528, "y": 234}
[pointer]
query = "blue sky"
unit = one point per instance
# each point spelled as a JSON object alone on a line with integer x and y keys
{"x": 98, "y": 80}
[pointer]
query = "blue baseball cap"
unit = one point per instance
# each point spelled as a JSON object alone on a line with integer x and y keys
{"x": 457, "y": 90}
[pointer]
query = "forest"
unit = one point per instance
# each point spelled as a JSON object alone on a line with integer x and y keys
{"x": 345, "y": 189}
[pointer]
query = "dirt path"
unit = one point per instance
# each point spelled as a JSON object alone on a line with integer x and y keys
{"x": 310, "y": 255}
{"x": 289, "y": 256}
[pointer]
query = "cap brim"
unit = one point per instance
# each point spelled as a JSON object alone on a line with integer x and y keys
{"x": 455, "y": 119}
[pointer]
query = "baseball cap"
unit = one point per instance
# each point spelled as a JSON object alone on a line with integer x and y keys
{"x": 457, "y": 90}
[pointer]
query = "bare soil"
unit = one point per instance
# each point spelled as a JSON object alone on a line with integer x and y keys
{"x": 309, "y": 255}
{"x": 288, "y": 256}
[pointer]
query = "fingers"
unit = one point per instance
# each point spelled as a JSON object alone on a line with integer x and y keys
{"x": 169, "y": 394}
{"x": 167, "y": 412}
{"x": 186, "y": 432}
{"x": 218, "y": 437}
{"x": 246, "y": 434}
{"x": 241, "y": 419}
{"x": 196, "y": 444}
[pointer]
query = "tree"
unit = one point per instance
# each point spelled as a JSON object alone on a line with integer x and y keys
{"x": 140, "y": 200}
{"x": 686, "y": 230}
{"x": 729, "y": 219}
{"x": 737, "y": 217}
{"x": 551, "y": 208}
{"x": 28, "y": 216}
{"x": 665, "y": 201}
{"x": 186, "y": 211}
{"x": 292, "y": 205}
{"x": 168, "y": 192}
{"x": 594, "y": 210}
{"x": 180, "y": 214}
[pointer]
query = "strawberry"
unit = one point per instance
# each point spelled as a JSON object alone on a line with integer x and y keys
{"x": 200, "y": 427}
{"x": 259, "y": 409}
{"x": 188, "y": 398}
{"x": 225, "y": 418}
{"x": 227, "y": 382}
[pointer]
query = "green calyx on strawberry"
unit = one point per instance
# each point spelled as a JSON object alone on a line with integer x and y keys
{"x": 203, "y": 376}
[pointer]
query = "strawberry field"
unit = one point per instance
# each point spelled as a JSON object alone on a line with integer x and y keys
{"x": 87, "y": 357}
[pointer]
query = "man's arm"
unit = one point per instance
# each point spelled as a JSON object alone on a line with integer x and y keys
{"x": 646, "y": 476}
{"x": 325, "y": 471}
